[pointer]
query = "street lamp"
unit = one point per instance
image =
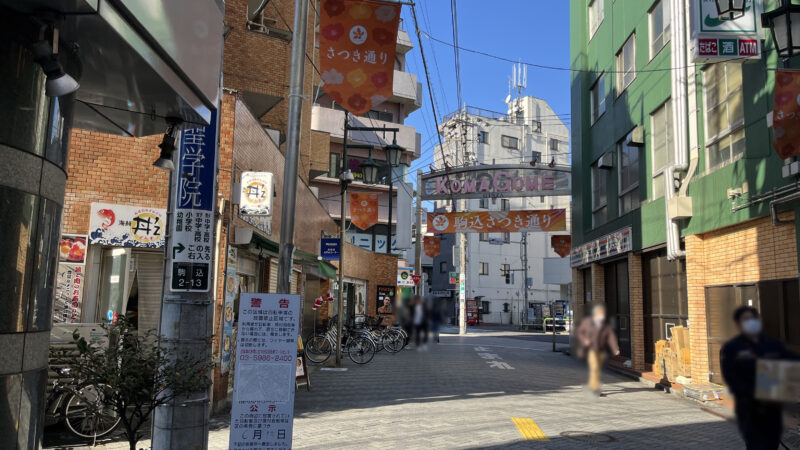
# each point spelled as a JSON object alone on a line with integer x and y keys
{"x": 730, "y": 9}
{"x": 784, "y": 22}
{"x": 394, "y": 152}
{"x": 369, "y": 169}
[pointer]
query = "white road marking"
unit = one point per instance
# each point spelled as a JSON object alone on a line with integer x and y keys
{"x": 489, "y": 356}
{"x": 499, "y": 365}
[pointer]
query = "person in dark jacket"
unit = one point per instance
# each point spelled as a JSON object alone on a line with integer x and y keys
{"x": 760, "y": 423}
{"x": 596, "y": 339}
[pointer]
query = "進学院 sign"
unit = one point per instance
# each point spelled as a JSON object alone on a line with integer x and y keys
{"x": 496, "y": 181}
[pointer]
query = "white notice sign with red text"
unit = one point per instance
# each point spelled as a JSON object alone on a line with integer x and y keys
{"x": 263, "y": 387}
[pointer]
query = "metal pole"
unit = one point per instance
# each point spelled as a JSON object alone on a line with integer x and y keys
{"x": 525, "y": 269}
{"x": 418, "y": 243}
{"x": 342, "y": 228}
{"x": 389, "y": 228}
{"x": 292, "y": 146}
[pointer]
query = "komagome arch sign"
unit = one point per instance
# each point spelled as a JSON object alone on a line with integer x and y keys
{"x": 496, "y": 181}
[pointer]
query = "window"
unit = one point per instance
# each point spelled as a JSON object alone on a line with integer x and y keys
{"x": 536, "y": 156}
{"x": 505, "y": 270}
{"x": 443, "y": 267}
{"x": 626, "y": 64}
{"x": 483, "y": 237}
{"x": 379, "y": 115}
{"x": 507, "y": 237}
{"x": 599, "y": 196}
{"x": 484, "y": 269}
{"x": 659, "y": 27}
{"x": 595, "y": 16}
{"x": 483, "y": 137}
{"x": 554, "y": 145}
{"x": 505, "y": 204}
{"x": 662, "y": 146}
{"x": 597, "y": 98}
{"x": 722, "y": 92}
{"x": 628, "y": 176}
{"x": 537, "y": 126}
{"x": 484, "y": 203}
{"x": 509, "y": 142}
{"x": 484, "y": 307}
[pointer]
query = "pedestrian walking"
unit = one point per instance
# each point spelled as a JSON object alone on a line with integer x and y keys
{"x": 420, "y": 323}
{"x": 760, "y": 422}
{"x": 435, "y": 318}
{"x": 596, "y": 340}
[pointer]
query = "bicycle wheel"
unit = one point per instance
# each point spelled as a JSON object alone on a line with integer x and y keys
{"x": 360, "y": 349}
{"x": 86, "y": 416}
{"x": 318, "y": 349}
{"x": 392, "y": 342}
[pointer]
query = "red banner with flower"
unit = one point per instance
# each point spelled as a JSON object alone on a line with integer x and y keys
{"x": 363, "y": 209}
{"x": 786, "y": 113}
{"x": 357, "y": 46}
{"x": 433, "y": 245}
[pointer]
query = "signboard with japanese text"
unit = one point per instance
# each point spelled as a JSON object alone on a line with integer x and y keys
{"x": 616, "y": 243}
{"x": 195, "y": 201}
{"x": 363, "y": 209}
{"x": 561, "y": 244}
{"x": 69, "y": 293}
{"x": 433, "y": 245}
{"x": 231, "y": 289}
{"x": 255, "y": 198}
{"x": 404, "y": 277}
{"x": 330, "y": 249}
{"x": 357, "y": 50}
{"x": 497, "y": 221}
{"x": 714, "y": 39}
{"x": 496, "y": 181}
{"x": 266, "y": 353}
{"x": 126, "y": 225}
{"x": 364, "y": 240}
{"x": 786, "y": 114}
{"x": 386, "y": 296}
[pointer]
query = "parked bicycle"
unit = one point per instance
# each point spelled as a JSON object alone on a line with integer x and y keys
{"x": 391, "y": 339}
{"x": 358, "y": 347}
{"x": 80, "y": 408}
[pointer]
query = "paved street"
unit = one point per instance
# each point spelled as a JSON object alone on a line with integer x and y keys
{"x": 464, "y": 392}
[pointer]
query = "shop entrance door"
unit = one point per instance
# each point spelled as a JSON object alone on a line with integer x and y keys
{"x": 721, "y": 302}
{"x": 618, "y": 303}
{"x": 666, "y": 303}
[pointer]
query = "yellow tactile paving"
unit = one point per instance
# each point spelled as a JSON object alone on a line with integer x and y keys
{"x": 529, "y": 430}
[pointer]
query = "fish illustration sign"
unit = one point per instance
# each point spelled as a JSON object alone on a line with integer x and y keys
{"x": 126, "y": 225}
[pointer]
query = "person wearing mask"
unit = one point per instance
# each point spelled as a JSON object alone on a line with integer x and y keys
{"x": 760, "y": 422}
{"x": 596, "y": 340}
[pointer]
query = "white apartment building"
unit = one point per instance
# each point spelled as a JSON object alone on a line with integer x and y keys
{"x": 529, "y": 131}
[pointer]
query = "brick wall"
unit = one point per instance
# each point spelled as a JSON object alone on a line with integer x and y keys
{"x": 376, "y": 268}
{"x": 636, "y": 299}
{"x": 110, "y": 169}
{"x": 578, "y": 307}
{"x": 598, "y": 285}
{"x": 259, "y": 63}
{"x": 747, "y": 252}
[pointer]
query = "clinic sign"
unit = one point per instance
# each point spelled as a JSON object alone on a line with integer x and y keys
{"x": 613, "y": 244}
{"x": 713, "y": 39}
{"x": 496, "y": 181}
{"x": 192, "y": 249}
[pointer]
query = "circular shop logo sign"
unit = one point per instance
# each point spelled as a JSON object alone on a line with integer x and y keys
{"x": 440, "y": 222}
{"x": 147, "y": 227}
{"x": 404, "y": 275}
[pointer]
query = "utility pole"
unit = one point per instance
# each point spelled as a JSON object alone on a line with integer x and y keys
{"x": 524, "y": 270}
{"x": 419, "y": 238}
{"x": 462, "y": 245}
{"x": 292, "y": 146}
{"x": 342, "y": 228}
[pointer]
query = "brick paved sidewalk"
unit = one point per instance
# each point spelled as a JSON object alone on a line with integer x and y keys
{"x": 454, "y": 396}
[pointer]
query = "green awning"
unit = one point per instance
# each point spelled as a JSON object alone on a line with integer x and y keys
{"x": 327, "y": 270}
{"x": 266, "y": 244}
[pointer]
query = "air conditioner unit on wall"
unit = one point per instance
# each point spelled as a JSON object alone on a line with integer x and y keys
{"x": 606, "y": 161}
{"x": 637, "y": 136}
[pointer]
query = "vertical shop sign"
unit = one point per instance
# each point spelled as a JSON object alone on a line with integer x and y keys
{"x": 786, "y": 113}
{"x": 193, "y": 223}
{"x": 69, "y": 280}
{"x": 433, "y": 245}
{"x": 263, "y": 391}
{"x": 562, "y": 244}
{"x": 363, "y": 209}
{"x": 357, "y": 49}
{"x": 231, "y": 288}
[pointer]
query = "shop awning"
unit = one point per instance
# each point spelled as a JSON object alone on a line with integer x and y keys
{"x": 318, "y": 267}
{"x": 247, "y": 236}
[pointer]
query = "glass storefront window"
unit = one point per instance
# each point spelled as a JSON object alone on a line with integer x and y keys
{"x": 113, "y": 283}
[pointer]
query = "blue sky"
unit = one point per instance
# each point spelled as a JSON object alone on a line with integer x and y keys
{"x": 535, "y": 31}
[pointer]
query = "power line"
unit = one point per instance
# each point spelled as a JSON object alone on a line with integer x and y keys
{"x": 454, "y": 21}
{"x": 567, "y": 69}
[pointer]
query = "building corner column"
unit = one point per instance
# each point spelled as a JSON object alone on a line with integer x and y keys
{"x": 695, "y": 289}
{"x": 636, "y": 298}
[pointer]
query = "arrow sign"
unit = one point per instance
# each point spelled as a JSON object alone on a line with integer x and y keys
{"x": 500, "y": 365}
{"x": 178, "y": 248}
